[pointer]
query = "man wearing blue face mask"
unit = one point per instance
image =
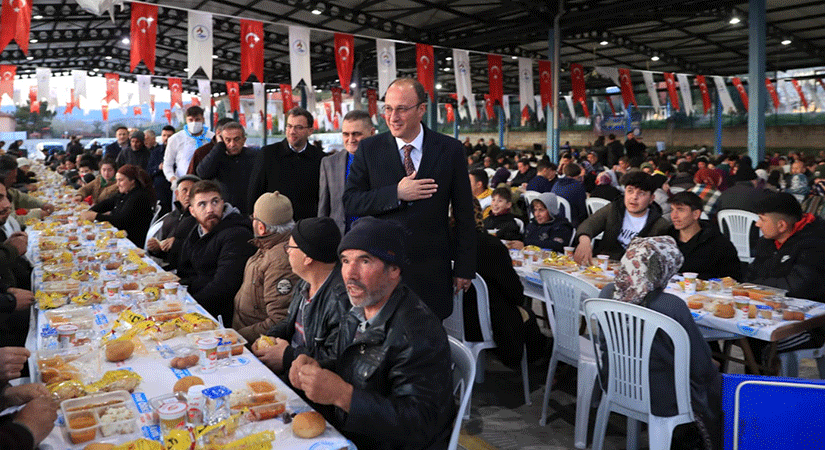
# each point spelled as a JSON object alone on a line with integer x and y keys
{"x": 181, "y": 146}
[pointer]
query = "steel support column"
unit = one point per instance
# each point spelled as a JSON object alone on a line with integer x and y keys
{"x": 757, "y": 92}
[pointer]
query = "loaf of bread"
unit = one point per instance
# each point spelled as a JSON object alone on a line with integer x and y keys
{"x": 185, "y": 383}
{"x": 793, "y": 315}
{"x": 308, "y": 425}
{"x": 724, "y": 310}
{"x": 119, "y": 350}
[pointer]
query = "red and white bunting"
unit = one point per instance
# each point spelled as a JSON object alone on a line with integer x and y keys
{"x": 104, "y": 111}
{"x": 626, "y": 82}
{"x": 252, "y": 49}
{"x": 743, "y": 94}
{"x": 7, "y": 73}
{"x": 176, "y": 92}
{"x": 496, "y": 78}
{"x": 344, "y": 57}
{"x": 425, "y": 67}
{"x": 328, "y": 111}
{"x": 577, "y": 76}
{"x": 299, "y": 61}
{"x": 286, "y": 97}
{"x": 168, "y": 114}
{"x": 703, "y": 88}
{"x": 15, "y": 23}
{"x": 112, "y": 87}
{"x": 671, "y": 89}
{"x": 234, "y": 94}
{"x": 546, "y": 83}
{"x": 242, "y": 119}
{"x": 143, "y": 35}
{"x": 336, "y": 103}
{"x": 372, "y": 102}
{"x": 488, "y": 107}
{"x": 772, "y": 91}
{"x": 199, "y": 45}
{"x": 137, "y": 110}
{"x": 450, "y": 113}
{"x": 798, "y": 88}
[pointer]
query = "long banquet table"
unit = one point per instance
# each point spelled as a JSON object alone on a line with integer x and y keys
{"x": 713, "y": 328}
{"x": 151, "y": 361}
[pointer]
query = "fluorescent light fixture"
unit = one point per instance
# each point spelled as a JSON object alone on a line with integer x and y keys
{"x": 438, "y": 86}
{"x": 654, "y": 58}
{"x": 30, "y": 58}
{"x": 514, "y": 57}
{"x": 603, "y": 43}
{"x": 37, "y": 17}
{"x": 786, "y": 42}
{"x": 108, "y": 57}
{"x": 449, "y": 58}
{"x": 33, "y": 41}
{"x": 352, "y": 85}
{"x": 125, "y": 41}
{"x": 734, "y": 20}
{"x": 317, "y": 12}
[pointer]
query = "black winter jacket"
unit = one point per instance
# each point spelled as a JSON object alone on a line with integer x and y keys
{"x": 401, "y": 375}
{"x": 212, "y": 265}
{"x": 710, "y": 254}
{"x": 322, "y": 317}
{"x": 609, "y": 220}
{"x": 232, "y": 172}
{"x": 553, "y": 235}
{"x": 798, "y": 266}
{"x": 131, "y": 212}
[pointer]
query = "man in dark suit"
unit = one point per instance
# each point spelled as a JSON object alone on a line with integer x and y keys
{"x": 335, "y": 169}
{"x": 291, "y": 167}
{"x": 411, "y": 175}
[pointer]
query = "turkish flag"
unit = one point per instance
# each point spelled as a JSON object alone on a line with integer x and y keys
{"x": 496, "y": 79}
{"x": 671, "y": 89}
{"x": 242, "y": 119}
{"x": 328, "y": 110}
{"x": 610, "y": 103}
{"x": 176, "y": 92}
{"x": 424, "y": 64}
{"x": 798, "y": 88}
{"x": 168, "y": 114}
{"x": 152, "y": 103}
{"x": 112, "y": 89}
{"x": 215, "y": 117}
{"x": 34, "y": 104}
{"x": 450, "y": 112}
{"x": 336, "y": 102}
{"x": 627, "y": 88}
{"x": 488, "y": 106}
{"x": 286, "y": 97}
{"x": 143, "y": 35}
{"x": 195, "y": 101}
{"x": 234, "y": 95}
{"x": 336, "y": 123}
{"x": 821, "y": 83}
{"x": 269, "y": 122}
{"x": 15, "y": 23}
{"x": 772, "y": 91}
{"x": 743, "y": 94}
{"x": 577, "y": 76}
{"x": 372, "y": 102}
{"x": 104, "y": 110}
{"x": 344, "y": 48}
{"x": 70, "y": 104}
{"x": 525, "y": 115}
{"x": 137, "y": 111}
{"x": 7, "y": 74}
{"x": 546, "y": 83}
{"x": 252, "y": 49}
{"x": 703, "y": 88}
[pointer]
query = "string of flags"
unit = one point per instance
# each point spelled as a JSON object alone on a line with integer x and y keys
{"x": 16, "y": 19}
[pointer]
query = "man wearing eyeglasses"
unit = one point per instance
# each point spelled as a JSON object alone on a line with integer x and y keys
{"x": 214, "y": 253}
{"x": 335, "y": 169}
{"x": 412, "y": 175}
{"x": 229, "y": 163}
{"x": 291, "y": 167}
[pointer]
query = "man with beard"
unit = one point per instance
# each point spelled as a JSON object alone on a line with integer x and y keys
{"x": 389, "y": 383}
{"x": 214, "y": 253}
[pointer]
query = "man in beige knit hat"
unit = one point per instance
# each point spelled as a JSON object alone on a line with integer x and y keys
{"x": 263, "y": 299}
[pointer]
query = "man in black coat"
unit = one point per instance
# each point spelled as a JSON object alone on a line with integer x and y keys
{"x": 122, "y": 143}
{"x": 214, "y": 254}
{"x": 137, "y": 154}
{"x": 634, "y": 150}
{"x": 229, "y": 163}
{"x": 291, "y": 167}
{"x": 411, "y": 175}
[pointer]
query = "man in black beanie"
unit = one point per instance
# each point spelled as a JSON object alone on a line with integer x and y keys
{"x": 388, "y": 385}
{"x": 318, "y": 301}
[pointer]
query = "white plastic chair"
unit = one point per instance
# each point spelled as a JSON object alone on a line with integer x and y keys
{"x": 563, "y": 294}
{"x": 490, "y": 172}
{"x": 520, "y": 224}
{"x": 628, "y": 331}
{"x": 789, "y": 361}
{"x": 154, "y": 231}
{"x": 676, "y": 189}
{"x": 739, "y": 224}
{"x": 454, "y": 325}
{"x": 156, "y": 213}
{"x": 566, "y": 205}
{"x": 594, "y": 204}
{"x": 529, "y": 196}
{"x": 464, "y": 372}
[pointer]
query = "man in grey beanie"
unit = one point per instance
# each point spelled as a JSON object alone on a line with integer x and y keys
{"x": 388, "y": 384}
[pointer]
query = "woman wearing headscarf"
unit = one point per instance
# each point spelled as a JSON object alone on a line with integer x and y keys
{"x": 644, "y": 272}
{"x": 131, "y": 208}
{"x": 707, "y": 188}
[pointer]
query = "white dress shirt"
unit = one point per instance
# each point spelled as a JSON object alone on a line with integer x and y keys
{"x": 417, "y": 143}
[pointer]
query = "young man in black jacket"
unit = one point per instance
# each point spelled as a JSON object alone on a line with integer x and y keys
{"x": 707, "y": 252}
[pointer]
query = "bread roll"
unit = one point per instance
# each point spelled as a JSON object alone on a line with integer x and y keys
{"x": 119, "y": 350}
{"x": 793, "y": 315}
{"x": 724, "y": 310}
{"x": 185, "y": 383}
{"x": 308, "y": 425}
{"x": 264, "y": 342}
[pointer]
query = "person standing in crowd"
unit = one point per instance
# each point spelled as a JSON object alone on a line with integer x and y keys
{"x": 319, "y": 301}
{"x": 229, "y": 163}
{"x": 634, "y": 150}
{"x": 545, "y": 177}
{"x": 798, "y": 185}
{"x": 181, "y": 146}
{"x": 131, "y": 209}
{"x": 411, "y": 175}
{"x": 176, "y": 225}
{"x": 571, "y": 189}
{"x": 492, "y": 149}
{"x": 743, "y": 194}
{"x": 204, "y": 150}
{"x": 122, "y": 143}
{"x": 291, "y": 167}
{"x": 214, "y": 253}
{"x": 335, "y": 169}
{"x": 707, "y": 252}
{"x": 635, "y": 214}
{"x": 137, "y": 154}
{"x": 385, "y": 387}
{"x": 154, "y": 167}
{"x": 102, "y": 187}
{"x": 480, "y": 146}
{"x": 268, "y": 281}
{"x": 615, "y": 150}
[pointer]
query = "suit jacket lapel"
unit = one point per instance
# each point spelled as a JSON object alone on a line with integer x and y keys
{"x": 394, "y": 159}
{"x": 429, "y": 155}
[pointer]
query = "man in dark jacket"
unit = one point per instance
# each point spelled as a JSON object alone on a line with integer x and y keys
{"x": 137, "y": 154}
{"x": 176, "y": 225}
{"x": 229, "y": 163}
{"x": 525, "y": 173}
{"x": 634, "y": 214}
{"x": 291, "y": 167}
{"x": 122, "y": 143}
{"x": 707, "y": 252}
{"x": 389, "y": 385}
{"x": 634, "y": 150}
{"x": 318, "y": 302}
{"x": 214, "y": 253}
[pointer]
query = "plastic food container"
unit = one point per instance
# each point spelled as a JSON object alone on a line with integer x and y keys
{"x": 237, "y": 341}
{"x": 99, "y": 415}
{"x": 80, "y": 316}
{"x": 172, "y": 416}
{"x": 266, "y": 404}
{"x": 69, "y": 288}
{"x": 163, "y": 310}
